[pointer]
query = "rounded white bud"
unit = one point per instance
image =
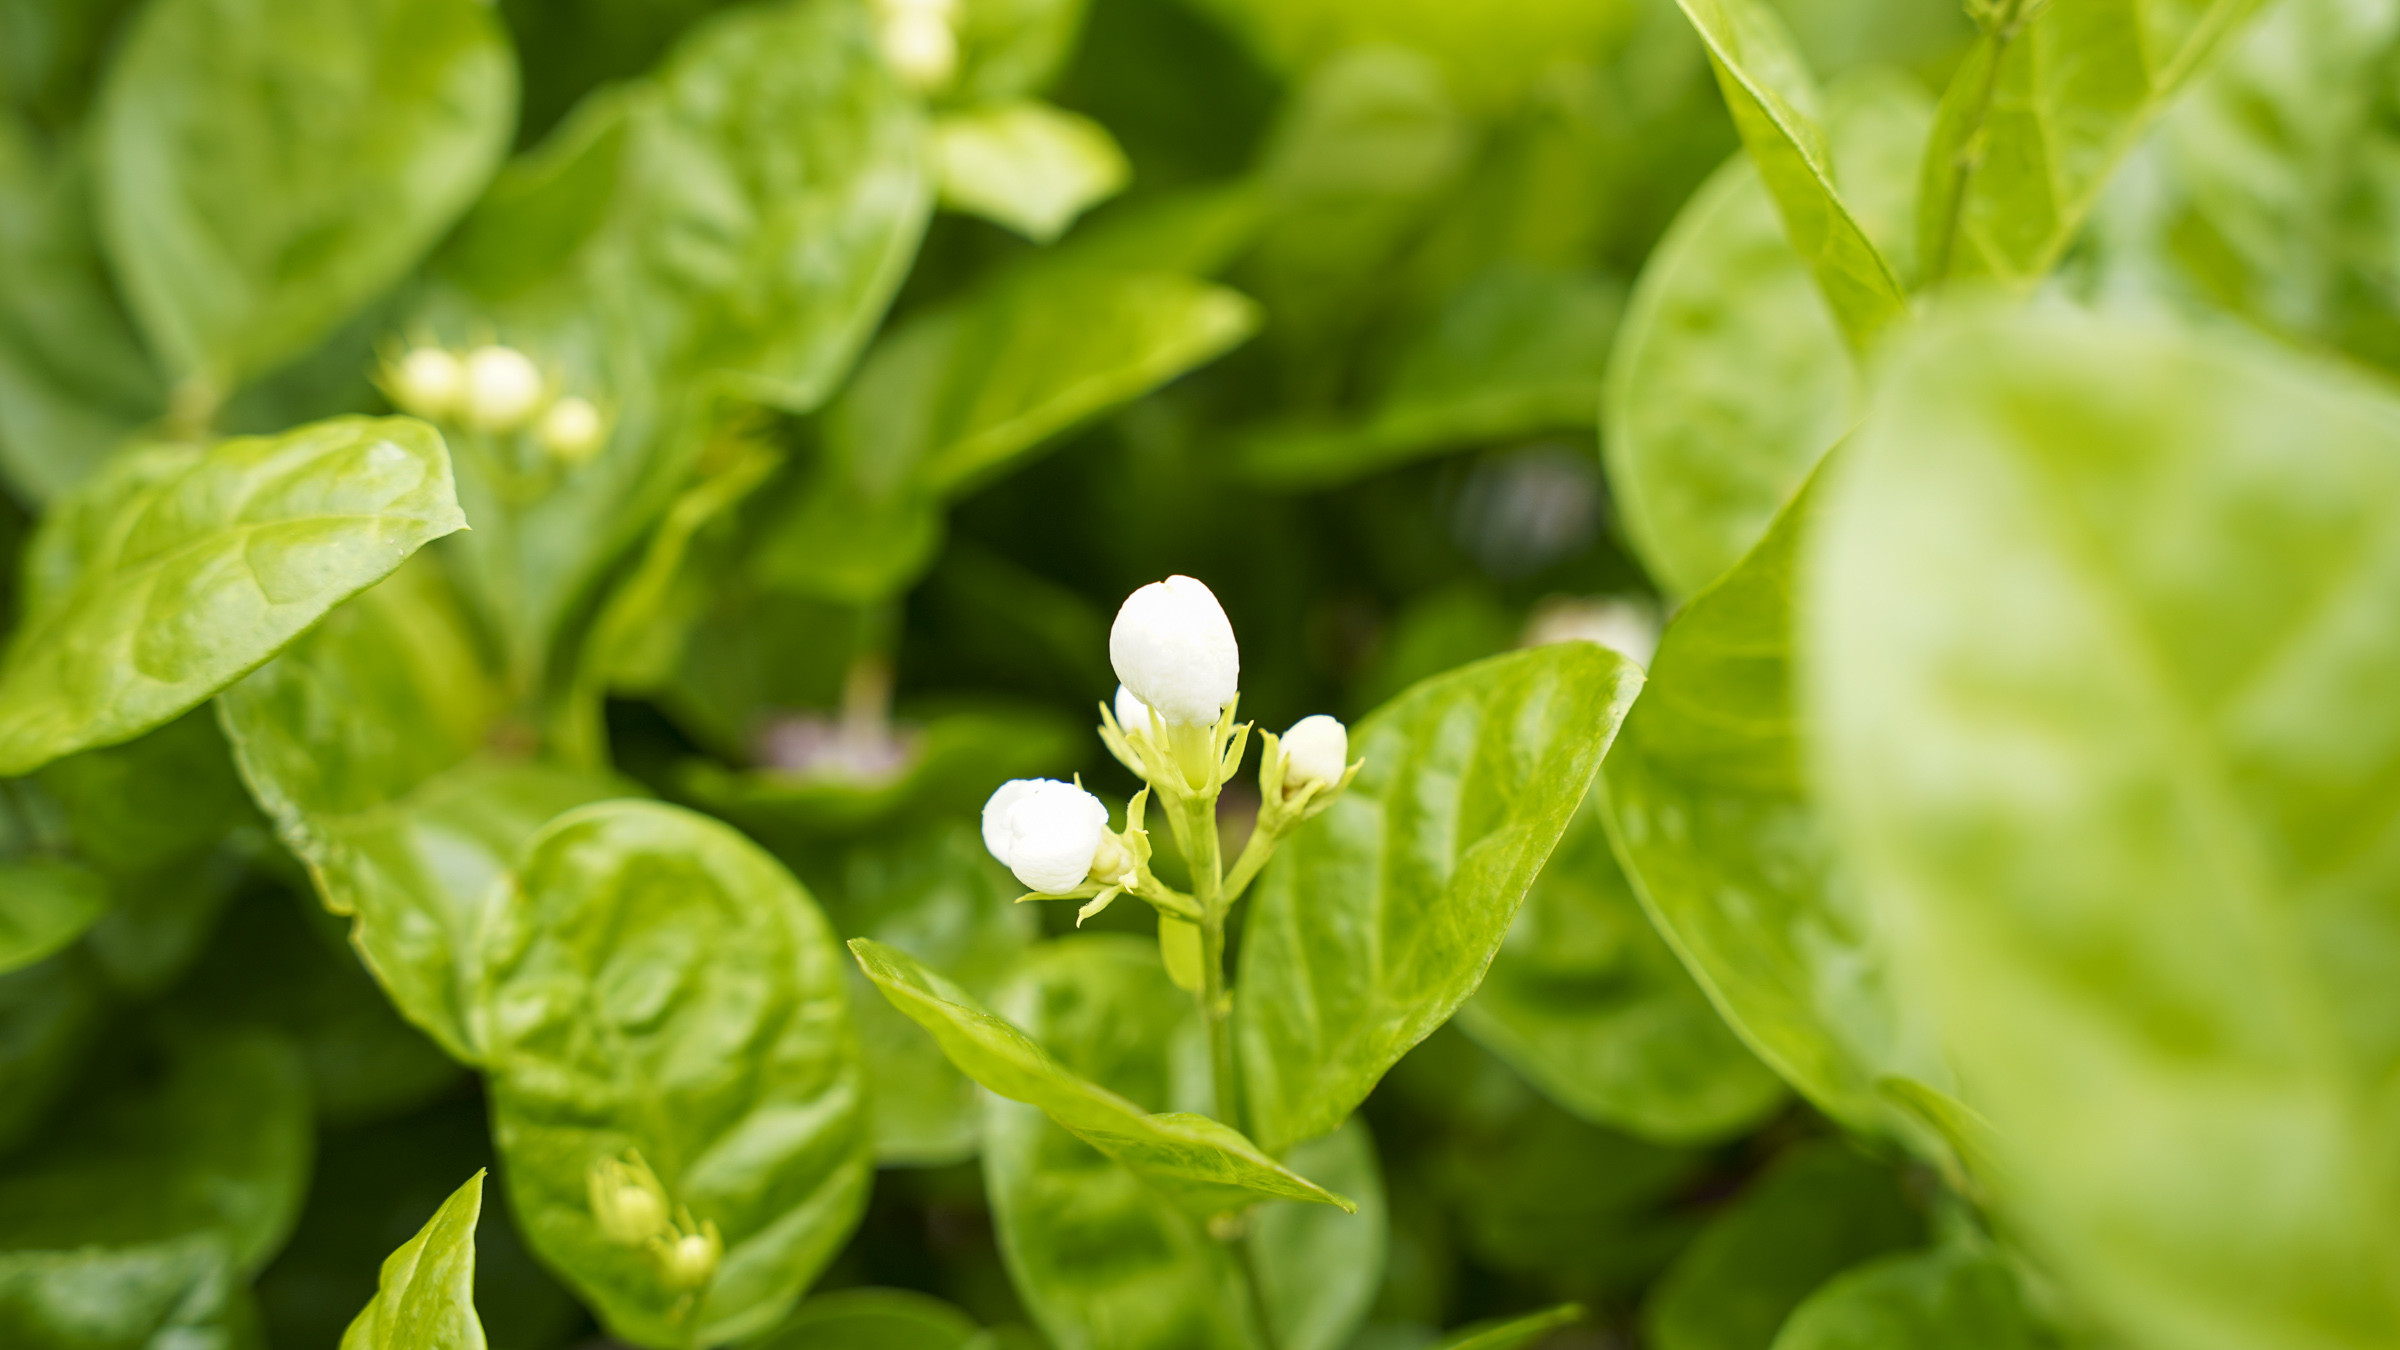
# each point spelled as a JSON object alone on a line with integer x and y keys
{"x": 919, "y": 45}
{"x": 503, "y": 387}
{"x": 1315, "y": 750}
{"x": 571, "y": 430}
{"x": 1132, "y": 714}
{"x": 426, "y": 382}
{"x": 1173, "y": 647}
{"x": 1046, "y": 832}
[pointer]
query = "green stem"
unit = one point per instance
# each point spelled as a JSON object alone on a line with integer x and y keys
{"x": 1258, "y": 1291}
{"x": 1967, "y": 156}
{"x": 1216, "y": 1010}
{"x": 1259, "y": 847}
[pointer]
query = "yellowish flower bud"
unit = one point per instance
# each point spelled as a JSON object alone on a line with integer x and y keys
{"x": 502, "y": 389}
{"x": 687, "y": 1259}
{"x": 627, "y": 1202}
{"x": 572, "y": 430}
{"x": 426, "y": 382}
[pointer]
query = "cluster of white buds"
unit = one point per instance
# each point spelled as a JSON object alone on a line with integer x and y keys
{"x": 919, "y": 39}
{"x": 630, "y": 1208}
{"x": 495, "y": 389}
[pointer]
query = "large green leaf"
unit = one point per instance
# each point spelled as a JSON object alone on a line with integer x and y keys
{"x": 178, "y": 571}
{"x": 1774, "y": 103}
{"x": 1491, "y": 52}
{"x": 653, "y": 981}
{"x": 425, "y": 1299}
{"x": 215, "y": 1139}
{"x": 269, "y": 166}
{"x": 45, "y": 903}
{"x": 1956, "y": 1297}
{"x": 874, "y": 1319}
{"x": 1204, "y": 1165}
{"x": 184, "y": 1293}
{"x": 1316, "y": 1271}
{"x": 376, "y": 744}
{"x": 2035, "y": 121}
{"x": 1376, "y": 920}
{"x": 2098, "y": 657}
{"x": 1589, "y": 1004}
{"x": 1730, "y": 380}
{"x": 1101, "y": 1257}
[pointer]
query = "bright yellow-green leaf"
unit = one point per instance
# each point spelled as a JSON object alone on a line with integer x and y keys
{"x": 425, "y": 1296}
{"x": 1027, "y": 165}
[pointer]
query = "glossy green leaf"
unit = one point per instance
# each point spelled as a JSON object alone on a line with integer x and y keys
{"x": 1819, "y": 1210}
{"x": 1730, "y": 380}
{"x": 1955, "y": 1297}
{"x": 376, "y": 744}
{"x": 2098, "y": 644}
{"x": 1027, "y": 165}
{"x": 269, "y": 166}
{"x": 1318, "y": 1270}
{"x": 1774, "y": 103}
{"x": 1376, "y": 920}
{"x": 178, "y": 571}
{"x": 2035, "y": 121}
{"x": 1513, "y": 1333}
{"x": 653, "y": 981}
{"x": 184, "y": 1293}
{"x": 873, "y": 1319}
{"x": 1101, "y": 1256}
{"x": 45, "y": 903}
{"x": 1590, "y": 1005}
{"x": 425, "y": 1299}
{"x": 1204, "y": 1165}
{"x": 216, "y": 1139}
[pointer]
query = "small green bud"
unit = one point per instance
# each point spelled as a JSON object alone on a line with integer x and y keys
{"x": 572, "y": 431}
{"x": 687, "y": 1258}
{"x": 426, "y": 382}
{"x": 627, "y": 1202}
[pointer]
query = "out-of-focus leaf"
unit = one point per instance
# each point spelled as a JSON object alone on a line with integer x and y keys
{"x": 1027, "y": 165}
{"x": 1514, "y": 1332}
{"x": 425, "y": 1299}
{"x": 2096, "y": 651}
{"x": 1376, "y": 920}
{"x": 1491, "y": 53}
{"x": 1730, "y": 381}
{"x": 1318, "y": 1269}
{"x": 74, "y": 380}
{"x": 1774, "y": 103}
{"x": 1817, "y": 1211}
{"x": 45, "y": 903}
{"x": 1205, "y": 1166}
{"x": 184, "y": 1293}
{"x": 2051, "y": 98}
{"x": 177, "y": 571}
{"x": 1955, "y": 1297}
{"x": 1591, "y": 1006}
{"x": 1012, "y": 48}
{"x": 268, "y": 166}
{"x": 49, "y": 1015}
{"x": 651, "y": 980}
{"x": 873, "y": 1319}
{"x": 152, "y": 801}
{"x": 216, "y": 1139}
{"x": 377, "y": 747}
{"x": 1101, "y": 1258}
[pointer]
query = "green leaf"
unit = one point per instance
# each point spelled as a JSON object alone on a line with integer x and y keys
{"x": 1729, "y": 379}
{"x": 184, "y": 1293}
{"x": 1100, "y": 1255}
{"x": 1514, "y": 1332}
{"x": 49, "y": 1016}
{"x": 2096, "y": 659}
{"x": 45, "y": 903}
{"x": 176, "y": 572}
{"x": 1773, "y": 99}
{"x": 873, "y": 1319}
{"x": 218, "y": 1139}
{"x": 269, "y": 166}
{"x": 1592, "y": 1007}
{"x": 1376, "y": 920}
{"x": 1490, "y": 52}
{"x": 375, "y": 745}
{"x": 653, "y": 981}
{"x": 2053, "y": 96}
{"x": 1955, "y": 1297}
{"x": 1205, "y": 1166}
{"x": 425, "y": 1299}
{"x": 1819, "y": 1210}
{"x": 1027, "y": 165}
{"x": 1728, "y": 850}
{"x": 1318, "y": 1270}
{"x": 1011, "y": 48}
{"x": 154, "y": 801}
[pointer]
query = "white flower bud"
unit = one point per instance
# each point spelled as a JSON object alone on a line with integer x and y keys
{"x": 1628, "y": 627}
{"x": 571, "y": 430}
{"x": 686, "y": 1260}
{"x": 1173, "y": 647}
{"x": 426, "y": 382}
{"x": 1315, "y": 750}
{"x": 503, "y": 388}
{"x": 628, "y": 1204}
{"x": 1132, "y": 714}
{"x": 919, "y": 45}
{"x": 1046, "y": 832}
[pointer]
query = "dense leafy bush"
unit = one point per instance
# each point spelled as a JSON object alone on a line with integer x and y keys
{"x": 537, "y": 529}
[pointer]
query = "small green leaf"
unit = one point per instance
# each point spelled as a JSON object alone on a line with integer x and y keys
{"x": 1206, "y": 1166}
{"x": 183, "y": 1293}
{"x": 1027, "y": 165}
{"x": 1954, "y": 1297}
{"x": 45, "y": 903}
{"x": 269, "y": 166}
{"x": 1514, "y": 1332}
{"x": 1376, "y": 920}
{"x": 873, "y": 1319}
{"x": 176, "y": 572}
{"x": 1317, "y": 1269}
{"x": 653, "y": 981}
{"x": 1774, "y": 103}
{"x": 1592, "y": 1007}
{"x": 425, "y": 1298}
{"x": 1012, "y": 48}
